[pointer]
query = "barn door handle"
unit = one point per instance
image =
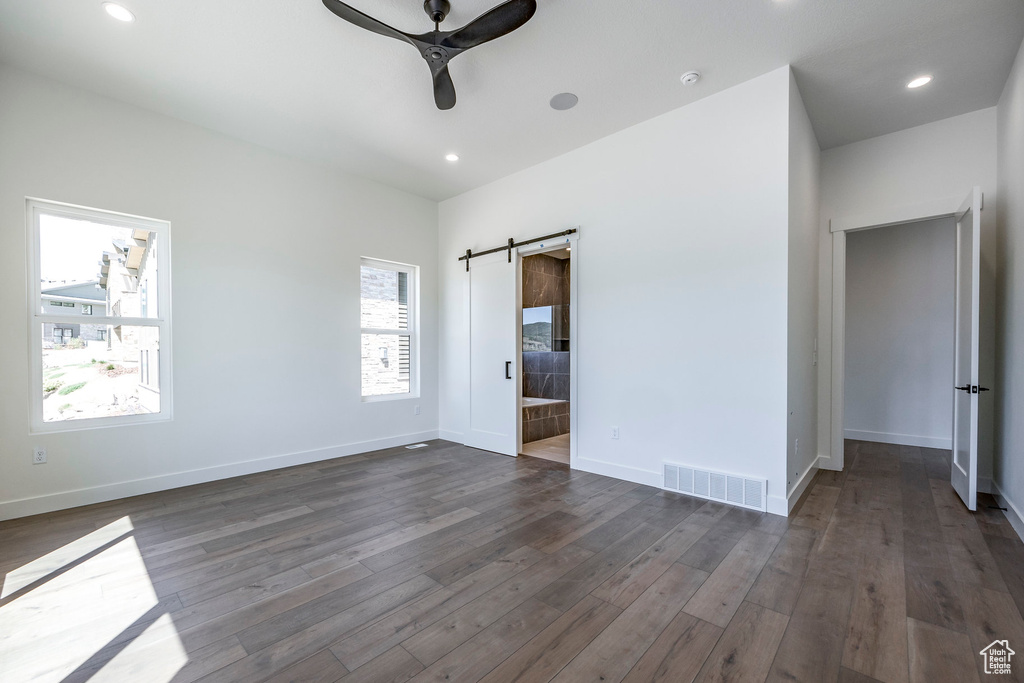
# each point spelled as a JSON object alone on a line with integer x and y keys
{"x": 508, "y": 369}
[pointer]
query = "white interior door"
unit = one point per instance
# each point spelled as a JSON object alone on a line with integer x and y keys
{"x": 965, "y": 399}
{"x": 492, "y": 354}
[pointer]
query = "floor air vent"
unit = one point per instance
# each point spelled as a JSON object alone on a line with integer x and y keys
{"x": 416, "y": 445}
{"x": 725, "y": 488}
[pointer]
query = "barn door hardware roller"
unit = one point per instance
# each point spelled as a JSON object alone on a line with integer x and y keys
{"x": 512, "y": 244}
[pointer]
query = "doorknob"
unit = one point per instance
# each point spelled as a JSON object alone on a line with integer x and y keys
{"x": 508, "y": 369}
{"x": 966, "y": 388}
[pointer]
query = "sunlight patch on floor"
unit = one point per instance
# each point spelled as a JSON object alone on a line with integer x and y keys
{"x": 53, "y": 629}
{"x": 65, "y": 555}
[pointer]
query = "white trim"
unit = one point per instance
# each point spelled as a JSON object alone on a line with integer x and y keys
{"x": 801, "y": 484}
{"x": 777, "y": 505}
{"x": 98, "y": 494}
{"x": 1013, "y": 513}
{"x": 910, "y": 213}
{"x": 34, "y": 207}
{"x": 539, "y": 248}
{"x": 616, "y": 471}
{"x": 838, "y": 227}
{"x": 838, "y": 414}
{"x": 900, "y": 439}
{"x": 449, "y": 435}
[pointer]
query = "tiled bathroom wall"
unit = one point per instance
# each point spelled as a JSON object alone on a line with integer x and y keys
{"x": 545, "y": 421}
{"x": 546, "y": 374}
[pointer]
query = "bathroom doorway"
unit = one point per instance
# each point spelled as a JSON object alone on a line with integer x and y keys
{"x": 546, "y": 366}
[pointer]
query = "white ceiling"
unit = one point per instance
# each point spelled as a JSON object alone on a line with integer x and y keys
{"x": 293, "y": 77}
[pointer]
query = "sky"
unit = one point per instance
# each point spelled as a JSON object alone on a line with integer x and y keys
{"x": 71, "y": 249}
{"x": 541, "y": 314}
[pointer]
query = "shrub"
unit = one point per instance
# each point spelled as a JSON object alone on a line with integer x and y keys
{"x": 110, "y": 366}
{"x": 52, "y": 385}
{"x": 73, "y": 387}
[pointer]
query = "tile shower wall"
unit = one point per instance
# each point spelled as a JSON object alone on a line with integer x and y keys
{"x": 545, "y": 281}
{"x": 546, "y": 374}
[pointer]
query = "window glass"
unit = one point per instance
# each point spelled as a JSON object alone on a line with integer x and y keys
{"x": 85, "y": 379}
{"x": 386, "y": 314}
{"x": 110, "y": 265}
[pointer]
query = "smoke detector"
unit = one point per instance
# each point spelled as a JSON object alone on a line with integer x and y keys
{"x": 690, "y": 77}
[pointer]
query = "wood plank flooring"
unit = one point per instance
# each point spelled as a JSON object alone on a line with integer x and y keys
{"x": 451, "y": 564}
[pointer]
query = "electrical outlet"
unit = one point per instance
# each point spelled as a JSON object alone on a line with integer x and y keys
{"x": 615, "y": 432}
{"x": 416, "y": 410}
{"x": 38, "y": 456}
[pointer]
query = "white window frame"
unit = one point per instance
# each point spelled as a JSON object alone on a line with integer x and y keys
{"x": 413, "y": 332}
{"x": 38, "y": 207}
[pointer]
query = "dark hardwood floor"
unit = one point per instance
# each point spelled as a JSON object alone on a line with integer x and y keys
{"x": 450, "y": 564}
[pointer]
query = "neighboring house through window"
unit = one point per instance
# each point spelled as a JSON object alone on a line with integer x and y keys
{"x": 115, "y": 368}
{"x": 388, "y": 307}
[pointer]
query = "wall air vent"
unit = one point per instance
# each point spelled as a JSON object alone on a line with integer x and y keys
{"x": 719, "y": 486}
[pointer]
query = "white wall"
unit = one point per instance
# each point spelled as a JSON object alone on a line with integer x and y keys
{"x": 900, "y": 292}
{"x": 684, "y": 227}
{"x": 252, "y": 381}
{"x": 880, "y": 180}
{"x": 1009, "y": 380}
{"x": 804, "y": 171}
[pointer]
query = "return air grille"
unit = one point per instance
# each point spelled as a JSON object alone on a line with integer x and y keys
{"x": 725, "y": 488}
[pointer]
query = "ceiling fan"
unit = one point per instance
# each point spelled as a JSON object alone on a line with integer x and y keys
{"x": 439, "y": 47}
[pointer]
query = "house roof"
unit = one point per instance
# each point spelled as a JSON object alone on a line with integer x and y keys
{"x": 78, "y": 290}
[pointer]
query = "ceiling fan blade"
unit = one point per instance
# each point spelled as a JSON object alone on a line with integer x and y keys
{"x": 354, "y": 16}
{"x": 444, "y": 89}
{"x": 495, "y": 23}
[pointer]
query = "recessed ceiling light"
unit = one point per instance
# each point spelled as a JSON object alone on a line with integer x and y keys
{"x": 563, "y": 101}
{"x": 452, "y": 157}
{"x": 690, "y": 77}
{"x": 918, "y": 82}
{"x": 118, "y": 12}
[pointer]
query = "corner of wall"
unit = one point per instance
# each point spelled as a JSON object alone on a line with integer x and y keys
{"x": 1008, "y": 393}
{"x": 802, "y": 311}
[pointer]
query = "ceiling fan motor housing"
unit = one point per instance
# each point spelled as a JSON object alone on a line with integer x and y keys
{"x": 437, "y": 10}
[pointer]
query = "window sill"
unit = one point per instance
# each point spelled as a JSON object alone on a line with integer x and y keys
{"x": 98, "y": 423}
{"x": 389, "y": 397}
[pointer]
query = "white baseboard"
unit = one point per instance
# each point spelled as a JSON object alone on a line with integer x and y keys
{"x": 801, "y": 484}
{"x": 449, "y": 435}
{"x": 825, "y": 463}
{"x": 100, "y": 494}
{"x": 899, "y": 439}
{"x": 1013, "y": 513}
{"x": 624, "y": 472}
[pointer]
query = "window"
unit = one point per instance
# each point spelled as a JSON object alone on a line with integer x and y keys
{"x": 388, "y": 306}
{"x": 114, "y": 369}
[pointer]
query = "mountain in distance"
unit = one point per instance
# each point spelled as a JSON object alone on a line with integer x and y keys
{"x": 537, "y": 336}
